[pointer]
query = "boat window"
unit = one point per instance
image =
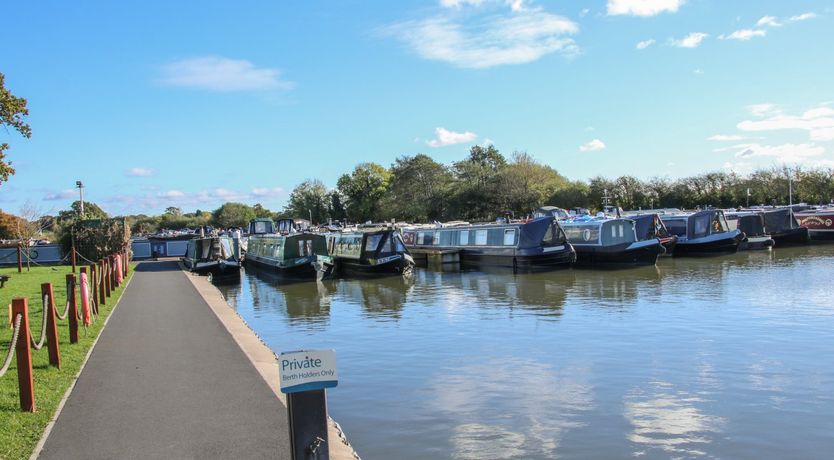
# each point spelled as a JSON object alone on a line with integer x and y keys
{"x": 400, "y": 246}
{"x": 260, "y": 227}
{"x": 553, "y": 235}
{"x": 622, "y": 231}
{"x": 621, "y": 226}
{"x": 676, "y": 227}
{"x": 481, "y": 237}
{"x": 720, "y": 223}
{"x": 300, "y": 248}
{"x": 309, "y": 247}
{"x": 421, "y": 237}
{"x": 436, "y": 240}
{"x": 582, "y": 234}
{"x": 509, "y": 237}
{"x": 372, "y": 242}
{"x": 464, "y": 237}
{"x": 701, "y": 225}
{"x": 386, "y": 247}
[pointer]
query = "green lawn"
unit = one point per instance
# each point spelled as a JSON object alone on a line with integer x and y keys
{"x": 21, "y": 431}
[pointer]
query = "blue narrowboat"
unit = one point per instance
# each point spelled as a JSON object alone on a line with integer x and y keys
{"x": 601, "y": 241}
{"x": 532, "y": 245}
{"x": 703, "y": 233}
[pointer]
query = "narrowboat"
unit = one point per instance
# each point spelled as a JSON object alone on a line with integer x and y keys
{"x": 286, "y": 250}
{"x": 366, "y": 252}
{"x": 819, "y": 222}
{"x": 702, "y": 233}
{"x": 601, "y": 241}
{"x": 649, "y": 226}
{"x": 753, "y": 226}
{"x": 532, "y": 245}
{"x": 782, "y": 226}
{"x": 212, "y": 256}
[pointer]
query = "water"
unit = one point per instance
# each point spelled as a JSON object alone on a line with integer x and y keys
{"x": 726, "y": 357}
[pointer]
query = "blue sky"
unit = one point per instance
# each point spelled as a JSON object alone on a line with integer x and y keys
{"x": 190, "y": 104}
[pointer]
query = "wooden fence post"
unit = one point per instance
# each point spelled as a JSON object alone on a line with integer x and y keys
{"x": 73, "y": 309}
{"x": 107, "y": 276}
{"x": 24, "y": 356}
{"x": 72, "y": 257}
{"x": 94, "y": 287}
{"x": 19, "y": 257}
{"x": 51, "y": 326}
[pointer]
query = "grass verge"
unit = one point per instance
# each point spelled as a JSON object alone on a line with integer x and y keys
{"x": 21, "y": 431}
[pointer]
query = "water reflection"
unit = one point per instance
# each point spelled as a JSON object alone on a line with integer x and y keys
{"x": 669, "y": 420}
{"x": 546, "y": 404}
{"x": 381, "y": 298}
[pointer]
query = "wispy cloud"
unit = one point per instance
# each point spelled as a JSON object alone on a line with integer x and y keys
{"x": 818, "y": 121}
{"x": 592, "y": 146}
{"x": 469, "y": 38}
{"x": 771, "y": 21}
{"x": 643, "y": 7}
{"x": 65, "y": 194}
{"x": 140, "y": 172}
{"x": 645, "y": 44}
{"x": 744, "y": 34}
{"x": 783, "y": 153}
{"x": 268, "y": 192}
{"x": 216, "y": 73}
{"x": 444, "y": 137}
{"x": 725, "y": 137}
{"x": 802, "y": 17}
{"x": 692, "y": 40}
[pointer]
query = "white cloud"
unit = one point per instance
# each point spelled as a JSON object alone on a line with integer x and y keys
{"x": 690, "y": 41}
{"x": 819, "y": 121}
{"x": 62, "y": 195}
{"x": 216, "y": 73}
{"x": 802, "y": 17}
{"x": 744, "y": 34}
{"x": 592, "y": 146}
{"x": 784, "y": 153}
{"x": 768, "y": 21}
{"x": 267, "y": 192}
{"x": 140, "y": 172}
{"x": 171, "y": 195}
{"x": 642, "y": 7}
{"x": 482, "y": 41}
{"x": 446, "y": 137}
{"x": 725, "y": 137}
{"x": 645, "y": 44}
{"x": 584, "y": 12}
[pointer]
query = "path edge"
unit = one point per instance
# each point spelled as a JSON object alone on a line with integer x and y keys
{"x": 48, "y": 430}
{"x": 262, "y": 358}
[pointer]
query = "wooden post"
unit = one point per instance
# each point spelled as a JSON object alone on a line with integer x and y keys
{"x": 101, "y": 283}
{"x": 51, "y": 326}
{"x": 94, "y": 287}
{"x": 127, "y": 262}
{"x": 73, "y": 309}
{"x": 116, "y": 269}
{"x": 72, "y": 257}
{"x": 24, "y": 356}
{"x": 107, "y": 276}
{"x": 19, "y": 257}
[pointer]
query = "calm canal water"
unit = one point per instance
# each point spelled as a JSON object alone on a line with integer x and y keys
{"x": 727, "y": 357}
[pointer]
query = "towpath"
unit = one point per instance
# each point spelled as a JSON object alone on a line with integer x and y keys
{"x": 167, "y": 380}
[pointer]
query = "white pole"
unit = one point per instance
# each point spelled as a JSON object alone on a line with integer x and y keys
{"x": 790, "y": 189}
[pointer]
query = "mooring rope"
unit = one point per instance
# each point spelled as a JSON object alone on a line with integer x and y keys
{"x": 39, "y": 344}
{"x": 84, "y": 258}
{"x": 8, "y": 361}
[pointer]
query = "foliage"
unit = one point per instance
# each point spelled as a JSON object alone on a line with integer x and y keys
{"x": 526, "y": 184}
{"x": 12, "y": 111}
{"x": 95, "y": 239}
{"x": 91, "y": 211}
{"x": 233, "y": 215}
{"x": 363, "y": 189}
{"x": 8, "y": 225}
{"x": 419, "y": 189}
{"x": 310, "y": 199}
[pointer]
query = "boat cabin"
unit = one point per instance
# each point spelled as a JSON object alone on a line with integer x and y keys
{"x": 261, "y": 226}
{"x": 602, "y": 241}
{"x": 552, "y": 211}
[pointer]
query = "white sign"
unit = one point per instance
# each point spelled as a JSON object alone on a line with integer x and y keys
{"x": 307, "y": 370}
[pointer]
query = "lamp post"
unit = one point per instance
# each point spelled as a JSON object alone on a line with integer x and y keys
{"x": 790, "y": 188}
{"x": 80, "y": 186}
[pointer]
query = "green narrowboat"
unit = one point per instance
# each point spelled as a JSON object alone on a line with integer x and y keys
{"x": 287, "y": 250}
{"x": 371, "y": 252}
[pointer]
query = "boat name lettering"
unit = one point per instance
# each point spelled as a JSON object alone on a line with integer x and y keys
{"x": 816, "y": 220}
{"x": 387, "y": 259}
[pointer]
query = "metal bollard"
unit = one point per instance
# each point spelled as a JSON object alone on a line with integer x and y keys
{"x": 51, "y": 326}
{"x": 24, "y": 357}
{"x": 73, "y": 309}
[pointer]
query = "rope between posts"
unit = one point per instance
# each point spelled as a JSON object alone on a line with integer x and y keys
{"x": 84, "y": 258}
{"x": 15, "y": 335}
{"x": 66, "y": 309}
{"x": 39, "y": 344}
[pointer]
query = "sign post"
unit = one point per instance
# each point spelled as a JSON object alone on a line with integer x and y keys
{"x": 304, "y": 376}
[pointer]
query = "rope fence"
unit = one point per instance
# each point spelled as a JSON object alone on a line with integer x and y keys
{"x": 92, "y": 286}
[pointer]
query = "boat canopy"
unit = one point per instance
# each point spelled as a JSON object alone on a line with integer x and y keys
{"x": 697, "y": 225}
{"x": 752, "y": 224}
{"x": 600, "y": 232}
{"x": 261, "y": 226}
{"x": 356, "y": 245}
{"x": 648, "y": 226}
{"x": 779, "y": 220}
{"x": 551, "y": 211}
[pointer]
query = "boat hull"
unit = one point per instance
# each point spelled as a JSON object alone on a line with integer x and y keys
{"x": 302, "y": 270}
{"x": 820, "y": 224}
{"x": 792, "y": 236}
{"x": 347, "y": 267}
{"x": 617, "y": 256}
{"x": 753, "y": 243}
{"x": 709, "y": 246}
{"x": 519, "y": 262}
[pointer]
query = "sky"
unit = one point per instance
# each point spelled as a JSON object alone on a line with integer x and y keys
{"x": 192, "y": 104}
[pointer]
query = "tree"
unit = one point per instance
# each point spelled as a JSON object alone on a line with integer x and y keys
{"x": 476, "y": 193}
{"x": 91, "y": 212}
{"x": 261, "y": 211}
{"x": 28, "y": 228}
{"x": 363, "y": 189}
{"x": 8, "y": 225}
{"x": 173, "y": 211}
{"x": 526, "y": 184}
{"x": 310, "y": 199}
{"x": 12, "y": 111}
{"x": 419, "y": 189}
{"x": 233, "y": 215}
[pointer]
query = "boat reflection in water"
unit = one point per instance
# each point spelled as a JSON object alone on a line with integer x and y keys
{"x": 380, "y": 298}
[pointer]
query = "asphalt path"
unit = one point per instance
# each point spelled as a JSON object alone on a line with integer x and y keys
{"x": 166, "y": 380}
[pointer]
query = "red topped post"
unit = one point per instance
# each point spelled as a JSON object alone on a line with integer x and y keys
{"x": 51, "y": 326}
{"x": 20, "y": 306}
